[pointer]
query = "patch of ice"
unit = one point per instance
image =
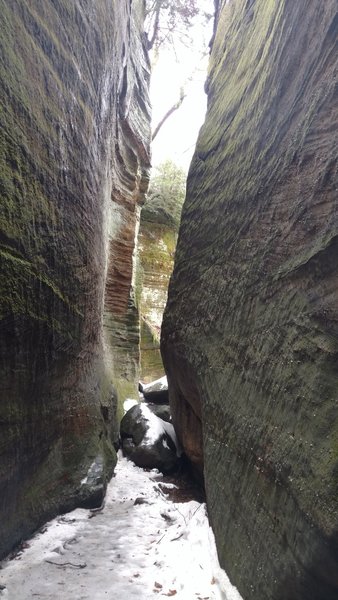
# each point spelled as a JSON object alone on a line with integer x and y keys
{"x": 91, "y": 468}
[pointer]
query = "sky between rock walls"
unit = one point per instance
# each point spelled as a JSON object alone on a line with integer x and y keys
{"x": 175, "y": 65}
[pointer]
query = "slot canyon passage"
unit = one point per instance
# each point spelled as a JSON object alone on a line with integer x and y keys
{"x": 249, "y": 339}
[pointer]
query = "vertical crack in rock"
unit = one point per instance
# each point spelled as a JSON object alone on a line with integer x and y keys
{"x": 251, "y": 318}
{"x": 74, "y": 156}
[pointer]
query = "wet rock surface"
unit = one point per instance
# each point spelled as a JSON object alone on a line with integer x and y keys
{"x": 249, "y": 339}
{"x": 73, "y": 171}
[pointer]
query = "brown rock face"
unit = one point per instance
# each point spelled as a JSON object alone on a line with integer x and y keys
{"x": 250, "y": 339}
{"x": 74, "y": 154}
{"x": 156, "y": 248}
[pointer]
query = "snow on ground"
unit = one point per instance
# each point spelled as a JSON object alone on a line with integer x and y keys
{"x": 154, "y": 548}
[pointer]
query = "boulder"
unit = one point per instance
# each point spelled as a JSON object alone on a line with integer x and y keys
{"x": 156, "y": 391}
{"x": 148, "y": 440}
{"x": 161, "y": 410}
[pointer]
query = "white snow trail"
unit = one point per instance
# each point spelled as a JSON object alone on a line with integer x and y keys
{"x": 144, "y": 551}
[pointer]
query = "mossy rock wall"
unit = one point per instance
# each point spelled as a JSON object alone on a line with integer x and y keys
{"x": 156, "y": 251}
{"x": 250, "y": 338}
{"x": 74, "y": 155}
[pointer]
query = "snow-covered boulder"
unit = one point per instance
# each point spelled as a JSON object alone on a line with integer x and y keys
{"x": 156, "y": 391}
{"x": 148, "y": 440}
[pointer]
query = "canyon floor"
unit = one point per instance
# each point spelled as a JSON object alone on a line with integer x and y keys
{"x": 142, "y": 545}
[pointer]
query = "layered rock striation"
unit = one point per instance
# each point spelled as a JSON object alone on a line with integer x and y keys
{"x": 250, "y": 339}
{"x": 160, "y": 217}
{"x": 156, "y": 247}
{"x": 74, "y": 156}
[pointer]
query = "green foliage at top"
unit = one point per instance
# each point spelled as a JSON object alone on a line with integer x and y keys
{"x": 166, "y": 195}
{"x": 165, "y": 17}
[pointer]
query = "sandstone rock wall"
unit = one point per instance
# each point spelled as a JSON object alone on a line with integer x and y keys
{"x": 74, "y": 154}
{"x": 250, "y": 339}
{"x": 156, "y": 247}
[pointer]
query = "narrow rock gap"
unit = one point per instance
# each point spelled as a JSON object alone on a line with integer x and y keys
{"x": 249, "y": 337}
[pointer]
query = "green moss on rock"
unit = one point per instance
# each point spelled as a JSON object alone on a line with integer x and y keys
{"x": 61, "y": 143}
{"x": 249, "y": 336}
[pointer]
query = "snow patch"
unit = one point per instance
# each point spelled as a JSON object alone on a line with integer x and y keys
{"x": 128, "y": 404}
{"x": 157, "y": 428}
{"x": 160, "y": 384}
{"x": 139, "y": 551}
{"x": 89, "y": 472}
